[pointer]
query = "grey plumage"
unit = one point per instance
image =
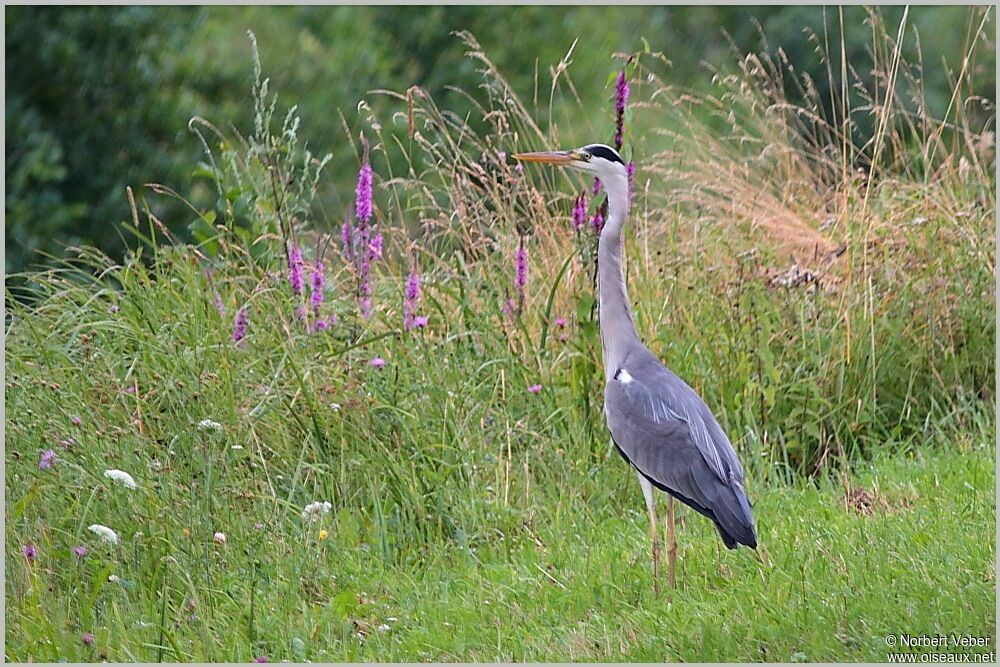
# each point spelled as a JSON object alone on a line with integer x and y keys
{"x": 666, "y": 432}
{"x": 657, "y": 422}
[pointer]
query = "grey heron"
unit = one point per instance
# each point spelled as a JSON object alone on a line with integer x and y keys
{"x": 659, "y": 425}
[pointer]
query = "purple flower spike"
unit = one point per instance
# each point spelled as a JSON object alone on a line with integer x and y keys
{"x": 375, "y": 246}
{"x": 47, "y": 459}
{"x": 363, "y": 205}
{"x": 597, "y": 186}
{"x": 240, "y": 325}
{"x": 411, "y": 297}
{"x": 30, "y": 552}
{"x": 318, "y": 282}
{"x": 420, "y": 321}
{"x": 521, "y": 279}
{"x": 621, "y": 101}
{"x": 295, "y": 269}
{"x": 579, "y": 212}
{"x": 597, "y": 221}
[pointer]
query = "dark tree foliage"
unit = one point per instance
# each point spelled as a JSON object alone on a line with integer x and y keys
{"x": 90, "y": 109}
{"x": 99, "y": 97}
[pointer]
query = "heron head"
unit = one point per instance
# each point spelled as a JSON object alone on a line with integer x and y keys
{"x": 597, "y": 159}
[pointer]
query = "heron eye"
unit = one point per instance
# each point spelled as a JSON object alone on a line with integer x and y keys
{"x": 586, "y": 157}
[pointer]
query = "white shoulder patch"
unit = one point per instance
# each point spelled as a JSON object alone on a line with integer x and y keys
{"x": 624, "y": 376}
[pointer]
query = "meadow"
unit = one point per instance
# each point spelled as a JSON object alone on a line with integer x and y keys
{"x": 376, "y": 434}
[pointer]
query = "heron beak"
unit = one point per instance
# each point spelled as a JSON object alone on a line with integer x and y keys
{"x": 548, "y": 157}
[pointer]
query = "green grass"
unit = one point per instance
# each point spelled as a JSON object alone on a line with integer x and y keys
{"x": 567, "y": 581}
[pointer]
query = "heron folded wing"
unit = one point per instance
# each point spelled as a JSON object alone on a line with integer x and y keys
{"x": 663, "y": 449}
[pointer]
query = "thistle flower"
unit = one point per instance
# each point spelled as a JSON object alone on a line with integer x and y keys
{"x": 377, "y": 362}
{"x": 560, "y": 322}
{"x": 30, "y": 552}
{"x": 597, "y": 221}
{"x": 535, "y": 388}
{"x": 240, "y": 325}
{"x": 295, "y": 269}
{"x": 261, "y": 658}
{"x": 579, "y": 212}
{"x": 363, "y": 204}
{"x": 80, "y": 551}
{"x": 87, "y": 638}
{"x": 316, "y": 510}
{"x": 621, "y": 101}
{"x": 317, "y": 283}
{"x": 103, "y": 532}
{"x": 47, "y": 459}
{"x": 122, "y": 477}
{"x": 76, "y": 421}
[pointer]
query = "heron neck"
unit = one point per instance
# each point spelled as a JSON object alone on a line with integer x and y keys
{"x": 617, "y": 326}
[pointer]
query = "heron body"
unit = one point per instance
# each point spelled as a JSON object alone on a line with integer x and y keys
{"x": 658, "y": 424}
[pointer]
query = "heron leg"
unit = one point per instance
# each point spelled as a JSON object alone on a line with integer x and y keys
{"x": 647, "y": 491}
{"x": 671, "y": 544}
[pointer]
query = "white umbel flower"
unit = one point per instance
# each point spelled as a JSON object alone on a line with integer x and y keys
{"x": 209, "y": 425}
{"x": 121, "y": 476}
{"x": 104, "y": 533}
{"x": 315, "y": 510}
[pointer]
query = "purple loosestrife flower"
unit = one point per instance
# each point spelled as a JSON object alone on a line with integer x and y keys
{"x": 579, "y": 212}
{"x": 375, "y": 246}
{"x": 411, "y": 297}
{"x": 621, "y": 101}
{"x": 597, "y": 221}
{"x": 363, "y": 204}
{"x": 240, "y": 326}
{"x": 30, "y": 552}
{"x": 295, "y": 269}
{"x": 597, "y": 186}
{"x": 219, "y": 306}
{"x": 420, "y": 321}
{"x": 47, "y": 459}
{"x": 521, "y": 265}
{"x": 318, "y": 283}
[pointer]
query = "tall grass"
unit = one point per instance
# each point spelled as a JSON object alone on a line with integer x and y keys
{"x": 823, "y": 314}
